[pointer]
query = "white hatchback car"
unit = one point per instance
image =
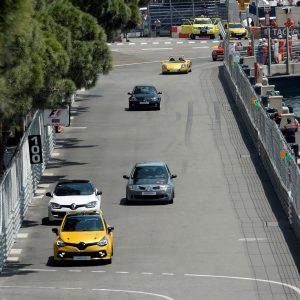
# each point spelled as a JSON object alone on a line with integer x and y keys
{"x": 72, "y": 195}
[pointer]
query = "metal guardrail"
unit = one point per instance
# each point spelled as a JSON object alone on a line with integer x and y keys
{"x": 19, "y": 183}
{"x": 268, "y": 140}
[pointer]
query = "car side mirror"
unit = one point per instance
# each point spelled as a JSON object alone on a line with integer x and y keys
{"x": 99, "y": 193}
{"x": 55, "y": 230}
{"x": 173, "y": 176}
{"x": 48, "y": 194}
{"x": 159, "y": 93}
{"x": 110, "y": 229}
{"x": 125, "y": 176}
{"x": 129, "y": 93}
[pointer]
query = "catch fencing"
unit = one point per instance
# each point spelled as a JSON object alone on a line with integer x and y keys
{"x": 19, "y": 183}
{"x": 268, "y": 139}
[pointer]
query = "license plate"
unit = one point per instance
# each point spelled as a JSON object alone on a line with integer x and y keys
{"x": 144, "y": 102}
{"x": 81, "y": 258}
{"x": 148, "y": 193}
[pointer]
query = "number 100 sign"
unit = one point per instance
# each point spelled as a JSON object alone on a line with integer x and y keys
{"x": 35, "y": 149}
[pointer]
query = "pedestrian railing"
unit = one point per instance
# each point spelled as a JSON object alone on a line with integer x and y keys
{"x": 19, "y": 183}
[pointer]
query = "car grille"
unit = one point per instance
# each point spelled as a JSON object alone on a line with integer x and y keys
{"x": 91, "y": 254}
{"x": 149, "y": 197}
{"x": 69, "y": 206}
{"x": 81, "y": 246}
{"x": 144, "y": 188}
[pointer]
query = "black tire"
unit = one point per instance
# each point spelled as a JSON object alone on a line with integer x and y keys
{"x": 192, "y": 36}
{"x": 212, "y": 36}
{"x": 130, "y": 106}
{"x": 158, "y": 106}
{"x": 214, "y": 58}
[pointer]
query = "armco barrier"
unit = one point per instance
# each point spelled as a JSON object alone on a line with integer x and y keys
{"x": 19, "y": 183}
{"x": 268, "y": 140}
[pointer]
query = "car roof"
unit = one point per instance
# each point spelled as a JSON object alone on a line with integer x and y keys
{"x": 145, "y": 84}
{"x": 202, "y": 18}
{"x": 150, "y": 163}
{"x": 74, "y": 181}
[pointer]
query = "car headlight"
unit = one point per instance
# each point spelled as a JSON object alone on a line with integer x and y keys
{"x": 132, "y": 99}
{"x": 103, "y": 241}
{"x": 132, "y": 187}
{"x": 164, "y": 187}
{"x": 55, "y": 205}
{"x": 164, "y": 67}
{"x": 91, "y": 204}
{"x": 60, "y": 243}
{"x": 154, "y": 99}
{"x": 183, "y": 66}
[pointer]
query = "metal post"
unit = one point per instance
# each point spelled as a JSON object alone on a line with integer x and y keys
{"x": 257, "y": 17}
{"x": 269, "y": 51}
{"x": 171, "y": 10}
{"x": 287, "y": 51}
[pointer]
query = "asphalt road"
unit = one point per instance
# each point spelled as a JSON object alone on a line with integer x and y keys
{"x": 225, "y": 237}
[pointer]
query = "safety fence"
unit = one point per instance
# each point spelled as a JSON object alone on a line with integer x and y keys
{"x": 19, "y": 183}
{"x": 268, "y": 139}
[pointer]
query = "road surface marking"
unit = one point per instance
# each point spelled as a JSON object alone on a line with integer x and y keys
{"x": 155, "y": 49}
{"x": 252, "y": 239}
{"x": 22, "y": 235}
{"x": 15, "y": 251}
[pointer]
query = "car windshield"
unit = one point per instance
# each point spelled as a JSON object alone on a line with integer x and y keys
{"x": 150, "y": 172}
{"x": 83, "y": 223}
{"x": 74, "y": 188}
{"x": 202, "y": 22}
{"x": 236, "y": 26}
{"x": 144, "y": 90}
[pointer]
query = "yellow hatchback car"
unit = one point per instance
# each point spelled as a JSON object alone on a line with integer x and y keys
{"x": 83, "y": 235}
{"x": 173, "y": 65}
{"x": 236, "y": 30}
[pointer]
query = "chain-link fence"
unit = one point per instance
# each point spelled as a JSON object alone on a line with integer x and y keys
{"x": 20, "y": 182}
{"x": 276, "y": 153}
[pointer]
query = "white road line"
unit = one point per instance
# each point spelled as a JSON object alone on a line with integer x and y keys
{"x": 167, "y": 43}
{"x": 155, "y": 49}
{"x": 144, "y": 43}
{"x": 252, "y": 239}
{"x": 43, "y": 186}
{"x": 72, "y": 118}
{"x": 98, "y": 271}
{"x": 203, "y": 42}
{"x": 47, "y": 287}
{"x": 155, "y": 43}
{"x": 15, "y": 251}
{"x": 190, "y": 42}
{"x": 179, "y": 42}
{"x": 22, "y": 235}
{"x": 216, "y": 41}
{"x": 147, "y": 273}
{"x": 38, "y": 196}
{"x": 55, "y": 154}
{"x": 120, "y": 44}
{"x": 72, "y": 288}
{"x": 12, "y": 259}
{"x": 134, "y": 292}
{"x": 168, "y": 274}
{"x": 121, "y": 272}
{"x": 75, "y": 271}
{"x": 296, "y": 289}
{"x": 200, "y": 47}
{"x": 48, "y": 174}
{"x": 38, "y": 270}
{"x": 131, "y": 43}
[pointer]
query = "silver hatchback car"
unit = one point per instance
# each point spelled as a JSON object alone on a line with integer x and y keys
{"x": 150, "y": 181}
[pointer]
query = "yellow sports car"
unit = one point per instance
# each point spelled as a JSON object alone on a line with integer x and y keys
{"x": 204, "y": 27}
{"x": 180, "y": 65}
{"x": 83, "y": 235}
{"x": 236, "y": 30}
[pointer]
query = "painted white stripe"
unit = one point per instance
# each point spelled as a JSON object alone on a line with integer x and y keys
{"x": 121, "y": 272}
{"x": 115, "y": 50}
{"x": 200, "y": 47}
{"x": 190, "y": 42}
{"x": 72, "y": 118}
{"x": 13, "y": 259}
{"x": 216, "y": 41}
{"x": 98, "y": 271}
{"x": 296, "y": 289}
{"x": 155, "y": 43}
{"x": 147, "y": 273}
{"x": 48, "y": 174}
{"x": 167, "y": 43}
{"x": 168, "y": 274}
{"x": 131, "y": 43}
{"x": 179, "y": 42}
{"x": 134, "y": 292}
{"x": 38, "y": 196}
{"x": 71, "y": 288}
{"x": 22, "y": 235}
{"x": 47, "y": 287}
{"x": 144, "y": 43}
{"x": 155, "y": 49}
{"x": 252, "y": 239}
{"x": 15, "y": 251}
{"x": 55, "y": 154}
{"x": 75, "y": 271}
{"x": 43, "y": 186}
{"x": 38, "y": 270}
{"x": 120, "y": 44}
{"x": 203, "y": 42}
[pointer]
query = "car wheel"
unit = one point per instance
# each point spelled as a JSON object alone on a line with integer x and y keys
{"x": 214, "y": 58}
{"x": 192, "y": 36}
{"x": 130, "y": 106}
{"x": 158, "y": 106}
{"x": 212, "y": 36}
